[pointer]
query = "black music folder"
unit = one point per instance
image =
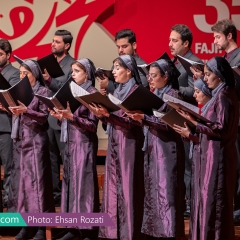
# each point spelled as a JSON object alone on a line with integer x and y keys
{"x": 100, "y": 72}
{"x": 60, "y": 98}
{"x": 51, "y": 64}
{"x": 187, "y": 63}
{"x": 21, "y": 91}
{"x": 140, "y": 99}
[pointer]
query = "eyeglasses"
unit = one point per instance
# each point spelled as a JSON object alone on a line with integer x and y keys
{"x": 151, "y": 76}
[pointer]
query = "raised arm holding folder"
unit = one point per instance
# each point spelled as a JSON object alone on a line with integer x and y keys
{"x": 186, "y": 63}
{"x": 21, "y": 91}
{"x": 51, "y": 64}
{"x": 60, "y": 98}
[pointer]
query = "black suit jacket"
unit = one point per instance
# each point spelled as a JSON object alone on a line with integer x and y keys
{"x": 186, "y": 87}
{"x": 11, "y": 74}
{"x": 57, "y": 83}
{"x": 113, "y": 85}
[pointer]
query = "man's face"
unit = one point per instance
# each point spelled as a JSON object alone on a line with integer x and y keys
{"x": 4, "y": 58}
{"x": 124, "y": 47}
{"x": 220, "y": 40}
{"x": 176, "y": 45}
{"x": 58, "y": 46}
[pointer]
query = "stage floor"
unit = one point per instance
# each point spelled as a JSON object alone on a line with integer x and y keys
{"x": 237, "y": 233}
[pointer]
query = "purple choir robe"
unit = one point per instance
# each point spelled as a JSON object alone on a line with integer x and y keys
{"x": 123, "y": 192}
{"x": 214, "y": 171}
{"x": 163, "y": 178}
{"x": 80, "y": 185}
{"x": 31, "y": 178}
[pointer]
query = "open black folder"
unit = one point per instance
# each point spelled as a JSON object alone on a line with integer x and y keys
{"x": 187, "y": 63}
{"x": 140, "y": 99}
{"x": 187, "y": 107}
{"x": 60, "y": 98}
{"x": 100, "y": 72}
{"x": 173, "y": 117}
{"x": 144, "y": 68}
{"x": 21, "y": 91}
{"x": 51, "y": 64}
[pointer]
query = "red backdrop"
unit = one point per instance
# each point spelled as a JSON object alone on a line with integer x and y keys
{"x": 151, "y": 20}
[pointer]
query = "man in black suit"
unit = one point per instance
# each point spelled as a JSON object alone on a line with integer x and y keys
{"x": 126, "y": 44}
{"x": 11, "y": 74}
{"x": 225, "y": 38}
{"x": 61, "y": 45}
{"x": 180, "y": 42}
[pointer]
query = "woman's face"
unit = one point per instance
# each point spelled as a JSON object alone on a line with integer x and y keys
{"x": 155, "y": 79}
{"x": 78, "y": 74}
{"x": 24, "y": 72}
{"x": 120, "y": 73}
{"x": 211, "y": 79}
{"x": 200, "y": 97}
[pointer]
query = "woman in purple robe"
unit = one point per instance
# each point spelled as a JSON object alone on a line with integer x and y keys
{"x": 79, "y": 132}
{"x": 31, "y": 178}
{"x": 215, "y": 157}
{"x": 163, "y": 161}
{"x": 123, "y": 191}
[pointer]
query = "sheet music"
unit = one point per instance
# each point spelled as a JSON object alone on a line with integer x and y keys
{"x": 158, "y": 114}
{"x": 77, "y": 91}
{"x": 114, "y": 100}
{"x": 169, "y": 98}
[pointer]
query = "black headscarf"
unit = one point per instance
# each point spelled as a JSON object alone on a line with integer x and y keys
{"x": 167, "y": 68}
{"x": 130, "y": 63}
{"x": 34, "y": 67}
{"x": 201, "y": 85}
{"x": 90, "y": 68}
{"x": 222, "y": 69}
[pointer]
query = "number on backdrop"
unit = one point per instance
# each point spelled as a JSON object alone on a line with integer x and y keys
{"x": 222, "y": 13}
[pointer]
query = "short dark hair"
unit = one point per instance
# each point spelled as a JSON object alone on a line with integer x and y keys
{"x": 5, "y": 46}
{"x": 226, "y": 26}
{"x": 66, "y": 35}
{"x": 126, "y": 33}
{"x": 185, "y": 33}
